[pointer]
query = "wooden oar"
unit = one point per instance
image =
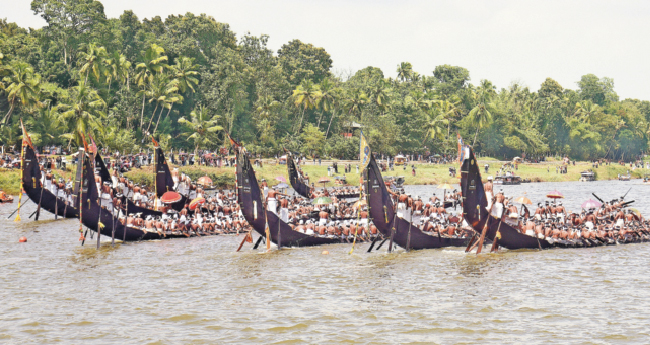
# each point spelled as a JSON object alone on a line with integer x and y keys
{"x": 56, "y": 206}
{"x": 487, "y": 221}
{"x": 408, "y": 237}
{"x": 382, "y": 243}
{"x": 113, "y": 233}
{"x": 469, "y": 245}
{"x": 243, "y": 241}
{"x": 16, "y": 210}
{"x": 373, "y": 243}
{"x": 38, "y": 210}
{"x": 257, "y": 244}
{"x": 126, "y": 216}
{"x": 99, "y": 221}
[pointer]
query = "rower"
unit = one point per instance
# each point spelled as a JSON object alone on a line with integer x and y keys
{"x": 418, "y": 207}
{"x": 401, "y": 205}
{"x": 489, "y": 193}
{"x": 106, "y": 200}
{"x": 271, "y": 201}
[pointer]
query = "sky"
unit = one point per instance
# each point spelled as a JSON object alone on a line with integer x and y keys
{"x": 504, "y": 41}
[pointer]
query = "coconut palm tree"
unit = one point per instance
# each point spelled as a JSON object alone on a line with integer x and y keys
{"x": 93, "y": 61}
{"x": 22, "y": 86}
{"x": 117, "y": 68}
{"x": 354, "y": 101}
{"x": 586, "y": 110}
{"x": 404, "y": 71}
{"x": 201, "y": 129}
{"x": 306, "y": 96}
{"x": 435, "y": 125}
{"x": 82, "y": 112}
{"x": 448, "y": 109}
{"x": 161, "y": 91}
{"x": 45, "y": 127}
{"x": 328, "y": 97}
{"x": 185, "y": 71}
{"x": 153, "y": 62}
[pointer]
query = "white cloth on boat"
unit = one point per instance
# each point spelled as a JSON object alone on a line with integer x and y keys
{"x": 284, "y": 214}
{"x": 497, "y": 210}
{"x": 272, "y": 205}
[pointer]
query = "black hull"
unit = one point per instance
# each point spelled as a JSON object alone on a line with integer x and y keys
{"x": 476, "y": 214}
{"x": 250, "y": 200}
{"x": 110, "y": 226}
{"x": 382, "y": 214}
{"x": 296, "y": 182}
{"x": 32, "y": 187}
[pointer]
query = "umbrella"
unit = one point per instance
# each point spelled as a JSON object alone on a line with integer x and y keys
{"x": 205, "y": 181}
{"x": 282, "y": 186}
{"x": 323, "y": 180}
{"x": 635, "y": 211}
{"x": 524, "y": 200}
{"x": 437, "y": 155}
{"x": 360, "y": 204}
{"x": 196, "y": 202}
{"x": 555, "y": 195}
{"x": 591, "y": 203}
{"x": 281, "y": 179}
{"x": 170, "y": 198}
{"x": 445, "y": 186}
{"x": 322, "y": 201}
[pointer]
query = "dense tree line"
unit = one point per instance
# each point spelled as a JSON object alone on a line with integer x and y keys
{"x": 189, "y": 80}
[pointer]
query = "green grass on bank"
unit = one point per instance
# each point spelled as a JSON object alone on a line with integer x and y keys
{"x": 426, "y": 174}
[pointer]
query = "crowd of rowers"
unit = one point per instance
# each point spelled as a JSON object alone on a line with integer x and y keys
{"x": 219, "y": 214}
{"x": 608, "y": 224}
{"x": 338, "y": 219}
{"x": 431, "y": 217}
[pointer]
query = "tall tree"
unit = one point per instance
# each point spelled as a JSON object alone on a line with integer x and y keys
{"x": 82, "y": 112}
{"x": 201, "y": 129}
{"x": 22, "y": 87}
{"x": 306, "y": 96}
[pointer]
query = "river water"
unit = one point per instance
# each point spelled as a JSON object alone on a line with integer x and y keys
{"x": 200, "y": 291}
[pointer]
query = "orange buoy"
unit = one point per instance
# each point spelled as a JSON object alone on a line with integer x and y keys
{"x": 22, "y": 239}
{"x": 325, "y": 252}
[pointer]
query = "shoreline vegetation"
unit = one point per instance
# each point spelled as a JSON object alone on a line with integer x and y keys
{"x": 190, "y": 80}
{"x": 426, "y": 174}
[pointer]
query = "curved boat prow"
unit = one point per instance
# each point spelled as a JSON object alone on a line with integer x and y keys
{"x": 475, "y": 210}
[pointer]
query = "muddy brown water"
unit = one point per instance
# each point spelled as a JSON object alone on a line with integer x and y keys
{"x": 200, "y": 291}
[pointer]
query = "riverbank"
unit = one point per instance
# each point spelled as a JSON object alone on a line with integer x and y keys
{"x": 426, "y": 174}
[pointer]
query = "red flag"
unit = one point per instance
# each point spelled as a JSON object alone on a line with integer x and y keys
{"x": 26, "y": 139}
{"x": 83, "y": 138}
{"x": 155, "y": 143}
{"x": 233, "y": 142}
{"x": 93, "y": 147}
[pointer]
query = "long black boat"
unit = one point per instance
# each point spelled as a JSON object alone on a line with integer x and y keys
{"x": 382, "y": 214}
{"x": 297, "y": 182}
{"x": 249, "y": 198}
{"x": 34, "y": 189}
{"x": 105, "y": 175}
{"x": 94, "y": 217}
{"x": 476, "y": 213}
